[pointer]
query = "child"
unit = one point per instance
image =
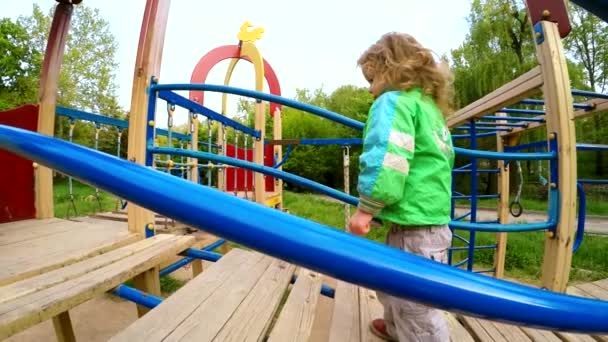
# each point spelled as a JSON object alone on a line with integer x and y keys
{"x": 405, "y": 170}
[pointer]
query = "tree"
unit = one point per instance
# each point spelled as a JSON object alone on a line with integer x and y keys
{"x": 19, "y": 66}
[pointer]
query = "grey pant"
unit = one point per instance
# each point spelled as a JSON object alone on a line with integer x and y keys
{"x": 409, "y": 321}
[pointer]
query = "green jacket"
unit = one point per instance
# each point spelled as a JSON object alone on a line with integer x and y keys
{"x": 405, "y": 170}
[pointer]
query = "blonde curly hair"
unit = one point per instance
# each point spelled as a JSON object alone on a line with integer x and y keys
{"x": 398, "y": 62}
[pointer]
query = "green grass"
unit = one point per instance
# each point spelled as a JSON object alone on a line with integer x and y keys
{"x": 84, "y": 199}
{"x": 524, "y": 257}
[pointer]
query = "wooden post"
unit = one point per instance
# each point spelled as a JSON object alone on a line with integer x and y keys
{"x": 197, "y": 267}
{"x": 148, "y": 282}
{"x": 193, "y": 162}
{"x": 346, "y": 164}
{"x": 258, "y": 156}
{"x": 503, "y": 204}
{"x": 560, "y": 121}
{"x": 63, "y": 327}
{"x": 277, "y": 130}
{"x": 47, "y": 98}
{"x": 221, "y": 172}
{"x": 149, "y": 55}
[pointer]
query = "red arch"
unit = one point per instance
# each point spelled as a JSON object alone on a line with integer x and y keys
{"x": 208, "y": 61}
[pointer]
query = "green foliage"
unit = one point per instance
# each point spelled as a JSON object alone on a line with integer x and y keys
{"x": 84, "y": 199}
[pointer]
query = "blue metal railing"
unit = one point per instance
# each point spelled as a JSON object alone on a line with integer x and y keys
{"x": 312, "y": 245}
{"x": 261, "y": 96}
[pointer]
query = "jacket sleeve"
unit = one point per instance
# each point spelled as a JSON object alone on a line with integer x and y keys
{"x": 388, "y": 148}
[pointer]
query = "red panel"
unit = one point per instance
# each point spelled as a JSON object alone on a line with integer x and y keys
{"x": 555, "y": 9}
{"x": 17, "y": 174}
{"x": 213, "y": 57}
{"x": 240, "y": 173}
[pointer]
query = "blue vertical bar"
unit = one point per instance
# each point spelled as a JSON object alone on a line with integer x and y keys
{"x": 150, "y": 128}
{"x": 452, "y": 212}
{"x": 473, "y": 196}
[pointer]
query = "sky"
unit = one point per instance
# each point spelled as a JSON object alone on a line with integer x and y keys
{"x": 310, "y": 44}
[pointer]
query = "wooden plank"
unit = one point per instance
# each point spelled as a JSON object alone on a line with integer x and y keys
{"x": 253, "y": 317}
{"x": 581, "y": 292}
{"x": 6, "y": 228}
{"x": 482, "y": 331}
{"x": 518, "y": 89}
{"x": 36, "y": 232}
{"x": 28, "y": 258}
{"x": 557, "y": 257}
{"x": 52, "y": 278}
{"x": 594, "y": 290}
{"x": 540, "y": 335}
{"x": 147, "y": 64}
{"x": 238, "y": 267}
{"x": 509, "y": 332}
{"x": 457, "y": 331}
{"x": 369, "y": 309}
{"x": 345, "y": 319}
{"x": 47, "y": 95}
{"x": 63, "y": 327}
{"x": 602, "y": 283}
{"x": 23, "y": 312}
{"x": 297, "y": 317}
{"x": 197, "y": 267}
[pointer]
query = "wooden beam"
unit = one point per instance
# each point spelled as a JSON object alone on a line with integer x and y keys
{"x": 47, "y": 98}
{"x": 63, "y": 327}
{"x": 518, "y": 89}
{"x": 277, "y": 133}
{"x": 560, "y": 120}
{"x": 193, "y": 146}
{"x": 149, "y": 282}
{"x": 147, "y": 64}
{"x": 259, "y": 183}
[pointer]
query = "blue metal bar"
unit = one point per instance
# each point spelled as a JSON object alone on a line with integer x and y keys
{"x": 593, "y": 181}
{"x": 490, "y": 270}
{"x": 285, "y": 157}
{"x": 521, "y": 111}
{"x": 582, "y": 208}
{"x": 533, "y": 145}
{"x": 461, "y": 262}
{"x": 585, "y": 106}
{"x": 476, "y": 247}
{"x": 497, "y": 228}
{"x": 176, "y": 135}
{"x": 474, "y": 197}
{"x": 478, "y": 196}
{"x": 324, "y": 141}
{"x": 479, "y": 171}
{"x": 214, "y": 245}
{"x": 261, "y": 169}
{"x": 324, "y": 113}
{"x": 312, "y": 245}
{"x": 463, "y": 152}
{"x": 504, "y": 124}
{"x": 459, "y": 218}
{"x": 591, "y": 147}
{"x": 181, "y": 101}
{"x": 586, "y": 93}
{"x": 457, "y": 236}
{"x": 137, "y": 296}
{"x": 513, "y": 118}
{"x": 463, "y": 167}
{"x": 96, "y": 118}
{"x": 493, "y": 129}
{"x": 467, "y": 136}
{"x": 201, "y": 254}
{"x": 326, "y": 290}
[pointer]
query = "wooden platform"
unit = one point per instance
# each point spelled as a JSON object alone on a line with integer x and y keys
{"x": 31, "y": 247}
{"x": 247, "y": 296}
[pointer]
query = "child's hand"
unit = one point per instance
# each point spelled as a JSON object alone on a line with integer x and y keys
{"x": 359, "y": 222}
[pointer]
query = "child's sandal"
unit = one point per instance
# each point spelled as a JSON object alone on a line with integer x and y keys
{"x": 378, "y": 328}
